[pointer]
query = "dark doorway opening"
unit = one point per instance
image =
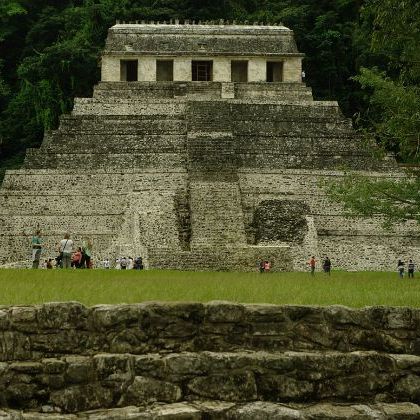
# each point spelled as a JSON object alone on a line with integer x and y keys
{"x": 239, "y": 71}
{"x": 129, "y": 70}
{"x": 165, "y": 70}
{"x": 202, "y": 71}
{"x": 274, "y": 71}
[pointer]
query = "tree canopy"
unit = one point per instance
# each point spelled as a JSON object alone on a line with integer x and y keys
{"x": 392, "y": 113}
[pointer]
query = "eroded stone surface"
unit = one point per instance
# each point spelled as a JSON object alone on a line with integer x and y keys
{"x": 220, "y": 410}
{"x": 162, "y": 359}
{"x": 154, "y": 327}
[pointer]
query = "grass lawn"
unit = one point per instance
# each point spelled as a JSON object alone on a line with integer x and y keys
{"x": 115, "y": 286}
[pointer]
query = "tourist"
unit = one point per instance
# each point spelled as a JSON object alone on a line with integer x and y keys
{"x": 303, "y": 76}
{"x": 326, "y": 266}
{"x": 66, "y": 248}
{"x": 49, "y": 264}
{"x": 118, "y": 264}
{"x": 261, "y": 265}
{"x": 106, "y": 264}
{"x": 400, "y": 268}
{"x": 76, "y": 259}
{"x": 123, "y": 263}
{"x": 410, "y": 269}
{"x": 58, "y": 259}
{"x": 36, "y": 249}
{"x": 138, "y": 263}
{"x": 267, "y": 266}
{"x": 312, "y": 265}
{"x": 86, "y": 253}
{"x": 130, "y": 263}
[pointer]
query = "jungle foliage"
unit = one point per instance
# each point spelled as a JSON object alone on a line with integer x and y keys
{"x": 391, "y": 85}
{"x": 365, "y": 53}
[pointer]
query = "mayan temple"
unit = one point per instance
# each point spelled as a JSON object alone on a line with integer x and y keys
{"x": 202, "y": 148}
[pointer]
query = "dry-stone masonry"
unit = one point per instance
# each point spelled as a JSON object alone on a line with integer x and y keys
{"x": 200, "y": 149}
{"x": 217, "y": 360}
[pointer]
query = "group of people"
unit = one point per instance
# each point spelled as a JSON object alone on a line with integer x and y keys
{"x": 79, "y": 257}
{"x": 326, "y": 265}
{"x": 264, "y": 266}
{"x": 67, "y": 257}
{"x": 410, "y": 268}
{"x": 124, "y": 263}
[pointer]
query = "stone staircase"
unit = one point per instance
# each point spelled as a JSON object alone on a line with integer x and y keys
{"x": 218, "y": 360}
{"x": 217, "y": 218}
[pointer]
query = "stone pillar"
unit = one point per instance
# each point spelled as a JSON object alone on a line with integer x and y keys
{"x": 110, "y": 69}
{"x": 221, "y": 69}
{"x": 257, "y": 70}
{"x": 182, "y": 70}
{"x": 292, "y": 69}
{"x": 147, "y": 69}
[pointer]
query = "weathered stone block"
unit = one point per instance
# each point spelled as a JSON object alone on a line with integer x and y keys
{"x": 145, "y": 390}
{"x": 232, "y": 387}
{"x": 82, "y": 397}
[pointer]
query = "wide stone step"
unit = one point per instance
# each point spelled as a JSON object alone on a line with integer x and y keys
{"x": 101, "y": 182}
{"x": 223, "y": 258}
{"x": 218, "y": 410}
{"x": 90, "y": 106}
{"x": 310, "y": 160}
{"x": 115, "y": 143}
{"x": 114, "y": 124}
{"x": 57, "y": 329}
{"x": 89, "y": 161}
{"x": 77, "y": 383}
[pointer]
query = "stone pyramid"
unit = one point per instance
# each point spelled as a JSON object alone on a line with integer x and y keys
{"x": 177, "y": 161}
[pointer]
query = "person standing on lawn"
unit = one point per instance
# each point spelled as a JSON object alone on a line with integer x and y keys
{"x": 36, "y": 249}
{"x": 86, "y": 253}
{"x": 400, "y": 269}
{"x": 66, "y": 248}
{"x": 410, "y": 269}
{"x": 312, "y": 265}
{"x": 326, "y": 266}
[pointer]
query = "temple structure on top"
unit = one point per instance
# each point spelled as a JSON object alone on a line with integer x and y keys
{"x": 201, "y": 53}
{"x": 201, "y": 149}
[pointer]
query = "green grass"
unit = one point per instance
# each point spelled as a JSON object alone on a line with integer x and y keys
{"x": 114, "y": 286}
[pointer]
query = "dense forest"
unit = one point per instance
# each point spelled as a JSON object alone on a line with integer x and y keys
{"x": 364, "y": 53}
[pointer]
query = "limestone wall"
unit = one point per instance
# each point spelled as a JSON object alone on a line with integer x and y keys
{"x": 66, "y": 358}
{"x": 55, "y": 329}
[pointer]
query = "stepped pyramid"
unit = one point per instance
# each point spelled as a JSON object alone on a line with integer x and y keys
{"x": 201, "y": 149}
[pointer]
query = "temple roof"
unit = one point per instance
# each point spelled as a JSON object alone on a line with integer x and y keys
{"x": 200, "y": 39}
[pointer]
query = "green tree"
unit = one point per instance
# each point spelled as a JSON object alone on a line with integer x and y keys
{"x": 392, "y": 116}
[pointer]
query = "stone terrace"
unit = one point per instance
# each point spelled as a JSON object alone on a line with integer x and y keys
{"x": 155, "y": 176}
{"x": 218, "y": 360}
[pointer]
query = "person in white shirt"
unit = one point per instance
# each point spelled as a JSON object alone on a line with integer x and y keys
{"x": 66, "y": 249}
{"x": 106, "y": 263}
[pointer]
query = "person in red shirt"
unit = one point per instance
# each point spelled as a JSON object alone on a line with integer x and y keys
{"x": 76, "y": 258}
{"x": 312, "y": 265}
{"x": 267, "y": 266}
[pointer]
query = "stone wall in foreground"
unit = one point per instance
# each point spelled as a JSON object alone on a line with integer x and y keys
{"x": 61, "y": 329}
{"x": 209, "y": 361}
